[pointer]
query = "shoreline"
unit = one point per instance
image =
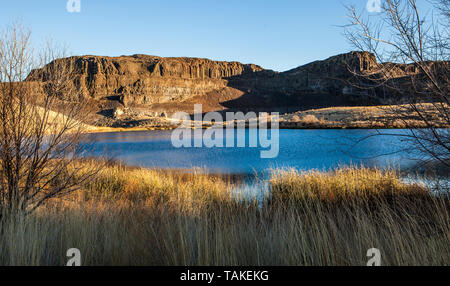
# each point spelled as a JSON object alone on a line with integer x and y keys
{"x": 143, "y": 128}
{"x": 333, "y": 118}
{"x": 430, "y": 171}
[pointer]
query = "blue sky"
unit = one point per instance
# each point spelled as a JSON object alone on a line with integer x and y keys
{"x": 278, "y": 35}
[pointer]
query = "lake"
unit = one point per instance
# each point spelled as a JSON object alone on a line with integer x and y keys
{"x": 301, "y": 149}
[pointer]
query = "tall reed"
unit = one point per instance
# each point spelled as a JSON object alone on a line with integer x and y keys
{"x": 133, "y": 216}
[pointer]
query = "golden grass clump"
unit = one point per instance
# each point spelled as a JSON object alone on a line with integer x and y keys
{"x": 342, "y": 183}
{"x": 185, "y": 192}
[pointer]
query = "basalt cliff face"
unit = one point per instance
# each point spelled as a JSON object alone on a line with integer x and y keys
{"x": 146, "y": 80}
{"x": 142, "y": 84}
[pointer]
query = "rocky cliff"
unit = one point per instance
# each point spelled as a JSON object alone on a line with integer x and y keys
{"x": 156, "y": 85}
{"x": 146, "y": 80}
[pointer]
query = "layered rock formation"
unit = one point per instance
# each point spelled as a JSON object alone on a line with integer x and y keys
{"x": 157, "y": 85}
{"x": 146, "y": 80}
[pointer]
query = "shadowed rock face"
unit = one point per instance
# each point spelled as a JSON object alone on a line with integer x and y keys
{"x": 175, "y": 84}
{"x": 330, "y": 75}
{"x": 316, "y": 81}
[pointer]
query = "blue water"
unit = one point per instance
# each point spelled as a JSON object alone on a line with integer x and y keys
{"x": 301, "y": 149}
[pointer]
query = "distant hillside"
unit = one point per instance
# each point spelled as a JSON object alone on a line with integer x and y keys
{"x": 138, "y": 86}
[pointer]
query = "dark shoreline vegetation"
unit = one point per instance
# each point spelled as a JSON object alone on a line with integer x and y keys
{"x": 136, "y": 216}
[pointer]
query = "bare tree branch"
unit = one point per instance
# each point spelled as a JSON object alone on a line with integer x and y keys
{"x": 40, "y": 133}
{"x": 413, "y": 55}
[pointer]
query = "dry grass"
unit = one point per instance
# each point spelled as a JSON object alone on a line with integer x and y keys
{"x": 343, "y": 183}
{"x": 309, "y": 119}
{"x": 383, "y": 116}
{"x": 131, "y": 216}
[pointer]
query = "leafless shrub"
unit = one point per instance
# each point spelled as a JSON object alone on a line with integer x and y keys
{"x": 39, "y": 135}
